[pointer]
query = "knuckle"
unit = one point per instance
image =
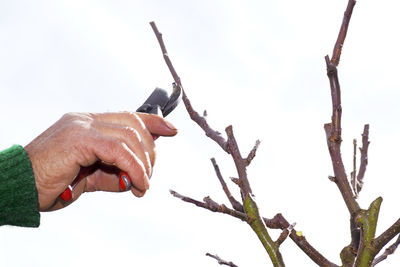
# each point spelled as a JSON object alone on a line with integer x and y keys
{"x": 139, "y": 120}
{"x": 76, "y": 119}
{"x": 131, "y": 134}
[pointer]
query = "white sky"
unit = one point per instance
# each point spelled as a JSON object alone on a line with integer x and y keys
{"x": 258, "y": 65}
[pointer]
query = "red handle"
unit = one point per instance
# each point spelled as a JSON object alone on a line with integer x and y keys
{"x": 124, "y": 179}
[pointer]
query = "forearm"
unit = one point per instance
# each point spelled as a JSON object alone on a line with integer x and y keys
{"x": 18, "y": 193}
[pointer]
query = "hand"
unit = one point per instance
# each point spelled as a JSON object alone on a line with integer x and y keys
{"x": 115, "y": 140}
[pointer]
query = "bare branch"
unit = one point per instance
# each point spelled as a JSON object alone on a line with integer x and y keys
{"x": 221, "y": 261}
{"x": 333, "y": 130}
{"x": 367, "y": 220}
{"x": 240, "y": 163}
{"x": 214, "y": 207}
{"x": 390, "y": 250}
{"x": 285, "y": 233}
{"x": 252, "y": 153}
{"x": 363, "y": 157}
{"x": 337, "y": 50}
{"x": 279, "y": 222}
{"x": 171, "y": 68}
{"x": 236, "y": 181}
{"x": 194, "y": 115}
{"x": 357, "y": 180}
{"x": 354, "y": 172}
{"x": 333, "y": 135}
{"x": 211, "y": 203}
{"x": 235, "y": 204}
{"x": 386, "y": 236}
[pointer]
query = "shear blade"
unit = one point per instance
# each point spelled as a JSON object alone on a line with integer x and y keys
{"x": 160, "y": 101}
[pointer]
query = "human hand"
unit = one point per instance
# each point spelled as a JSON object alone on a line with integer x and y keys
{"x": 118, "y": 141}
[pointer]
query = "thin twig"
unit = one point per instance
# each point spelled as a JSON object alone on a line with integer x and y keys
{"x": 221, "y": 261}
{"x": 285, "y": 233}
{"x": 252, "y": 153}
{"x": 363, "y": 158}
{"x": 212, "y": 206}
{"x": 387, "y": 235}
{"x": 353, "y": 174}
{"x": 194, "y": 115}
{"x": 388, "y": 251}
{"x": 171, "y": 68}
{"x": 337, "y": 50}
{"x": 235, "y": 204}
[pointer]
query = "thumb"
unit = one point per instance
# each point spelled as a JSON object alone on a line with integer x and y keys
{"x": 157, "y": 125}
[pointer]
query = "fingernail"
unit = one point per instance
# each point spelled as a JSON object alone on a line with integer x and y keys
{"x": 146, "y": 182}
{"x": 124, "y": 183}
{"x": 170, "y": 126}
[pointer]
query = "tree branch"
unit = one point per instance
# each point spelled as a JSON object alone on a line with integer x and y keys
{"x": 235, "y": 204}
{"x": 333, "y": 135}
{"x": 337, "y": 50}
{"x": 363, "y": 158}
{"x": 259, "y": 227}
{"x": 390, "y": 250}
{"x": 194, "y": 115}
{"x": 252, "y": 153}
{"x": 367, "y": 221}
{"x": 285, "y": 233}
{"x": 357, "y": 180}
{"x": 279, "y": 222}
{"x": 353, "y": 174}
{"x": 221, "y": 261}
{"x": 240, "y": 163}
{"x": 386, "y": 236}
{"x": 214, "y": 207}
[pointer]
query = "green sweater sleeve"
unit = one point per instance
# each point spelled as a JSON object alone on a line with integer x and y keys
{"x": 18, "y": 194}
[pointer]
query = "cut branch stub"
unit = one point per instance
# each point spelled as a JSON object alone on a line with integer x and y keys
{"x": 367, "y": 221}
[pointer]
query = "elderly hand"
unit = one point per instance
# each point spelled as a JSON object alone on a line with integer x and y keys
{"x": 123, "y": 140}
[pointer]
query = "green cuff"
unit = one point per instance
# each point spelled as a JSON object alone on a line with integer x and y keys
{"x": 18, "y": 194}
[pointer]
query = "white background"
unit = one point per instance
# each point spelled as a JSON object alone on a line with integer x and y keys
{"x": 258, "y": 65}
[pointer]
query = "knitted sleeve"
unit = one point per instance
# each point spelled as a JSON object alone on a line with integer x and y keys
{"x": 18, "y": 194}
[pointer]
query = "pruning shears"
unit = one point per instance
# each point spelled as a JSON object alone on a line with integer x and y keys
{"x": 157, "y": 103}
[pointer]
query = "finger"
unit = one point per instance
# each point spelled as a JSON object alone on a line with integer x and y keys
{"x": 132, "y": 120}
{"x": 118, "y": 153}
{"x": 154, "y": 123}
{"x": 106, "y": 178}
{"x": 131, "y": 137}
{"x": 158, "y": 125}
